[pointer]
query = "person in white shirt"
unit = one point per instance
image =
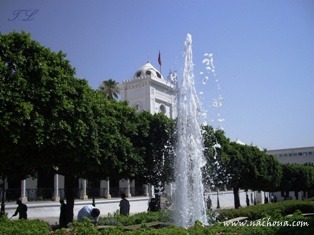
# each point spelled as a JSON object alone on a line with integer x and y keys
{"x": 89, "y": 212}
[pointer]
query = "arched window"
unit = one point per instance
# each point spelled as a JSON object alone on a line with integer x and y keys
{"x": 162, "y": 109}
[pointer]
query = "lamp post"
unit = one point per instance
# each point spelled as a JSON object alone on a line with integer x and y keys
{"x": 217, "y": 147}
{"x": 93, "y": 192}
{"x": 56, "y": 196}
{"x": 218, "y": 204}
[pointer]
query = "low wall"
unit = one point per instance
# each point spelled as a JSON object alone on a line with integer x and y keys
{"x": 137, "y": 204}
{"x": 226, "y": 199}
{"x": 52, "y": 209}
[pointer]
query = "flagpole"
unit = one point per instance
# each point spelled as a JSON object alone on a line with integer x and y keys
{"x": 159, "y": 62}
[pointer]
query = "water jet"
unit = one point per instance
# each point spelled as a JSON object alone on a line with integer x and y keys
{"x": 189, "y": 203}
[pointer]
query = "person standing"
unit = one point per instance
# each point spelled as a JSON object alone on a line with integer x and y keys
{"x": 209, "y": 203}
{"x": 63, "y": 217}
{"x": 21, "y": 210}
{"x": 124, "y": 205}
{"x": 247, "y": 200}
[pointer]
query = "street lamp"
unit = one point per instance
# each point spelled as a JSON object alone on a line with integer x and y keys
{"x": 93, "y": 192}
{"x": 217, "y": 147}
{"x": 218, "y": 204}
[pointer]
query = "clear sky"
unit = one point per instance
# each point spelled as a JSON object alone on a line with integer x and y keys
{"x": 263, "y": 53}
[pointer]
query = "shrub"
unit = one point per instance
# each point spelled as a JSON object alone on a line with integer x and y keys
{"x": 14, "y": 227}
{"x": 85, "y": 227}
{"x": 220, "y": 229}
{"x": 139, "y": 218}
{"x": 258, "y": 211}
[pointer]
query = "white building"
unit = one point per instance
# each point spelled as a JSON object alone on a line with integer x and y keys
{"x": 149, "y": 91}
{"x": 294, "y": 155}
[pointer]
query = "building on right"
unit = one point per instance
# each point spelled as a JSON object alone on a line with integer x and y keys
{"x": 294, "y": 155}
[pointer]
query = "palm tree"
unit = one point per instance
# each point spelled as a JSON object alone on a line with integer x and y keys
{"x": 110, "y": 89}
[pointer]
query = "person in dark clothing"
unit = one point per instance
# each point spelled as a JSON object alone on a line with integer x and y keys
{"x": 209, "y": 203}
{"x": 21, "y": 210}
{"x": 157, "y": 197}
{"x": 124, "y": 205}
{"x": 153, "y": 205}
{"x": 247, "y": 200}
{"x": 63, "y": 217}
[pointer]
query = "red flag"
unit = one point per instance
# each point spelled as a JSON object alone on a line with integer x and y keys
{"x": 159, "y": 59}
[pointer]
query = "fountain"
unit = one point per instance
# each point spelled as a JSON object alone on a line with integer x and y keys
{"x": 189, "y": 204}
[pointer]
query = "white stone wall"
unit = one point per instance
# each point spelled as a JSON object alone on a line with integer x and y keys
{"x": 52, "y": 209}
{"x": 226, "y": 199}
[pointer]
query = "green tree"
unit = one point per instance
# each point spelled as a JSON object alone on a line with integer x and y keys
{"x": 125, "y": 158}
{"x": 235, "y": 168}
{"x": 252, "y": 168}
{"x": 214, "y": 172}
{"x": 296, "y": 177}
{"x": 30, "y": 74}
{"x": 52, "y": 120}
{"x": 239, "y": 166}
{"x": 156, "y": 138}
{"x": 46, "y": 113}
{"x": 262, "y": 171}
{"x": 110, "y": 89}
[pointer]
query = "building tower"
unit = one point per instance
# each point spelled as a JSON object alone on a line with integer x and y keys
{"x": 149, "y": 91}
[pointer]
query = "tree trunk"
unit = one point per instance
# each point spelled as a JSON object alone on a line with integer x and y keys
{"x": 2, "y": 212}
{"x": 69, "y": 195}
{"x": 287, "y": 195}
{"x": 236, "y": 197}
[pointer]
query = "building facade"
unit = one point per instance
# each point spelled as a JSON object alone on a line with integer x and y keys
{"x": 294, "y": 155}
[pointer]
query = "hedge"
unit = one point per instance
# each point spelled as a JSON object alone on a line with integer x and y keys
{"x": 272, "y": 209}
{"x": 273, "y": 212}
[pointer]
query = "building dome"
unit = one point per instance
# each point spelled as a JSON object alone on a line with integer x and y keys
{"x": 239, "y": 142}
{"x": 147, "y": 70}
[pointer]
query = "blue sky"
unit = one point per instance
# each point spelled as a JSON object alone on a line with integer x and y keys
{"x": 263, "y": 53}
